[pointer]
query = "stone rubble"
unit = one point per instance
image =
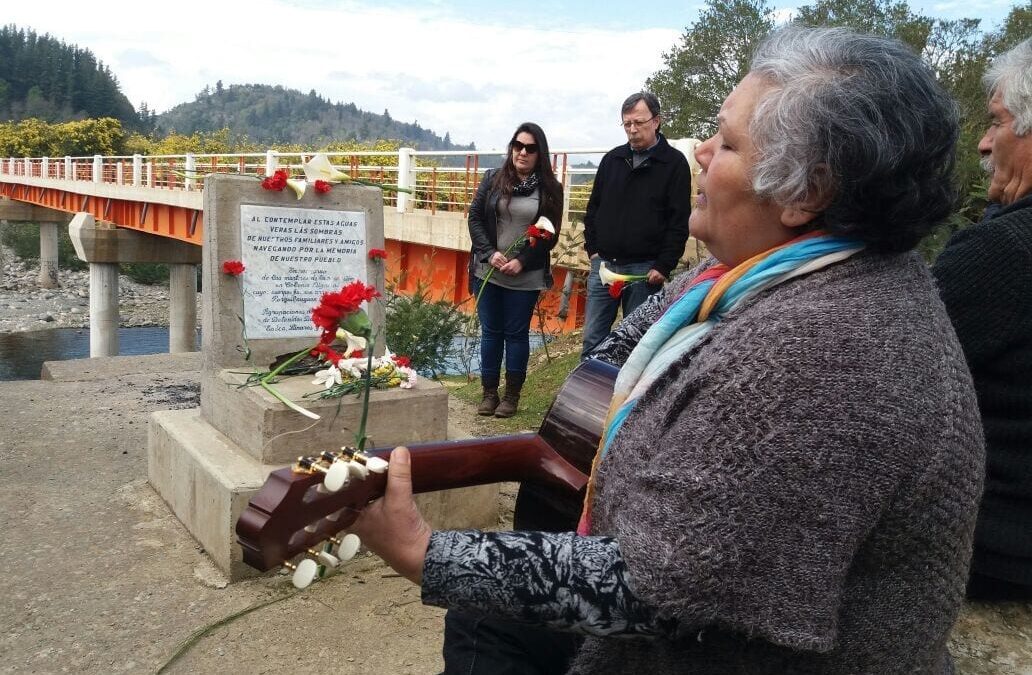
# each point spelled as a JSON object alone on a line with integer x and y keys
{"x": 24, "y": 306}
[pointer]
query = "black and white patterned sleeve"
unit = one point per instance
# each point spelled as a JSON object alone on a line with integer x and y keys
{"x": 615, "y": 348}
{"x": 559, "y": 580}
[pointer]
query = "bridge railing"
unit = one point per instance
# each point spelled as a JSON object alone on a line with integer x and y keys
{"x": 443, "y": 181}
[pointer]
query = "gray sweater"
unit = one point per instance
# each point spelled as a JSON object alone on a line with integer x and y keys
{"x": 796, "y": 495}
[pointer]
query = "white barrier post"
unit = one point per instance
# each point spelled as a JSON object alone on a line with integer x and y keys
{"x": 406, "y": 176}
{"x": 98, "y": 169}
{"x": 137, "y": 170}
{"x": 270, "y": 162}
{"x": 68, "y": 168}
{"x": 191, "y": 169}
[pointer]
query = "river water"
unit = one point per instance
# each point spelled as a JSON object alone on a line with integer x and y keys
{"x": 22, "y": 354}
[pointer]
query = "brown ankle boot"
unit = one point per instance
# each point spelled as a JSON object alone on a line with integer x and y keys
{"x": 489, "y": 401}
{"x": 511, "y": 401}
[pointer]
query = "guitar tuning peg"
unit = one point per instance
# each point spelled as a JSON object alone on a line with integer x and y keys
{"x": 324, "y": 558}
{"x": 357, "y": 469}
{"x": 304, "y": 572}
{"x": 337, "y": 476}
{"x": 347, "y": 546}
{"x": 374, "y": 464}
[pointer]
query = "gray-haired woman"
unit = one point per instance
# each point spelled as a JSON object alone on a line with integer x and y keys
{"x": 789, "y": 475}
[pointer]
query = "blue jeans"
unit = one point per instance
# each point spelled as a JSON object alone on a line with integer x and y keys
{"x": 505, "y": 328}
{"x": 600, "y": 311}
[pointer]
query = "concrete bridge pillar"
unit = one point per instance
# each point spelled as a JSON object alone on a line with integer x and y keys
{"x": 182, "y": 317}
{"x": 47, "y": 255}
{"x": 103, "y": 309}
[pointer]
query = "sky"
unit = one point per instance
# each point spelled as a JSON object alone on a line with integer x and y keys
{"x": 475, "y": 69}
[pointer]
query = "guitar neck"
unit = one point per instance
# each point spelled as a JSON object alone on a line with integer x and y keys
{"x": 480, "y": 461}
{"x": 290, "y": 514}
{"x": 293, "y": 511}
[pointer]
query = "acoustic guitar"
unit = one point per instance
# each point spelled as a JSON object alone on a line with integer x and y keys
{"x": 294, "y": 511}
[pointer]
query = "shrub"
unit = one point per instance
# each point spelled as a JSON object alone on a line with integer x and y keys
{"x": 23, "y": 239}
{"x": 145, "y": 273}
{"x": 423, "y": 330}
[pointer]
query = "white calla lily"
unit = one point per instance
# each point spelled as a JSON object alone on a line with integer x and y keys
{"x": 545, "y": 224}
{"x": 354, "y": 342}
{"x": 298, "y": 186}
{"x": 319, "y": 167}
{"x": 608, "y": 277}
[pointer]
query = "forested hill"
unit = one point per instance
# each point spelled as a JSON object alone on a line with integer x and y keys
{"x": 42, "y": 77}
{"x": 272, "y": 114}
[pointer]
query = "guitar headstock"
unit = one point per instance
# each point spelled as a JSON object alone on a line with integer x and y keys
{"x": 301, "y": 507}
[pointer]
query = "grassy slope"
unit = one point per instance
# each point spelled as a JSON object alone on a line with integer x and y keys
{"x": 546, "y": 372}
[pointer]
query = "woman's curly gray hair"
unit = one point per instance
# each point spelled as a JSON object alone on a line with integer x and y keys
{"x": 856, "y": 122}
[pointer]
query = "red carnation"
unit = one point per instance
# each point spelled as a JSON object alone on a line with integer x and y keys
{"x": 358, "y": 354}
{"x": 616, "y": 288}
{"x": 336, "y": 306}
{"x": 377, "y": 254}
{"x": 322, "y": 186}
{"x": 233, "y": 268}
{"x": 323, "y": 349}
{"x": 403, "y": 361}
{"x": 277, "y": 181}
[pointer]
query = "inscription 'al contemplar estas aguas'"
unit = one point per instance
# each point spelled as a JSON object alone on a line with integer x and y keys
{"x": 293, "y": 256}
{"x": 304, "y": 239}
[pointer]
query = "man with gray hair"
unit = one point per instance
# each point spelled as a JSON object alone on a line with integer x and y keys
{"x": 636, "y": 221}
{"x": 985, "y": 279}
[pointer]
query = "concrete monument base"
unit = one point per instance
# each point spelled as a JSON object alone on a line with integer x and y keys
{"x": 207, "y": 481}
{"x": 274, "y": 434}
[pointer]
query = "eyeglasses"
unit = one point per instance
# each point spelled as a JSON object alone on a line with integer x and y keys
{"x": 634, "y": 124}
{"x": 518, "y": 147}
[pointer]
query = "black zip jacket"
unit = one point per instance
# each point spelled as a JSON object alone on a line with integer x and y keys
{"x": 638, "y": 215}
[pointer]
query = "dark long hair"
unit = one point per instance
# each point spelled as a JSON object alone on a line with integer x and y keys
{"x": 550, "y": 188}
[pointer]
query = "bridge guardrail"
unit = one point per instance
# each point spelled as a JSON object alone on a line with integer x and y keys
{"x": 440, "y": 181}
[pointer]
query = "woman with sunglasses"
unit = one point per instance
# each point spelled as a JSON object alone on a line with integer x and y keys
{"x": 507, "y": 279}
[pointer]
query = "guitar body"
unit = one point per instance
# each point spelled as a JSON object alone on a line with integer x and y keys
{"x": 292, "y": 512}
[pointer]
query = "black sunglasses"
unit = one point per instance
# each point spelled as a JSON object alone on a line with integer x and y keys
{"x": 531, "y": 148}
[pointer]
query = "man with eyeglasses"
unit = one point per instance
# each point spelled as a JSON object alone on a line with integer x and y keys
{"x": 637, "y": 217}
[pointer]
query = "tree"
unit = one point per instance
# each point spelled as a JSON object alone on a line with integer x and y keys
{"x": 711, "y": 59}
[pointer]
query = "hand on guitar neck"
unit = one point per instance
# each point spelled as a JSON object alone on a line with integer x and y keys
{"x": 299, "y": 510}
{"x": 392, "y": 527}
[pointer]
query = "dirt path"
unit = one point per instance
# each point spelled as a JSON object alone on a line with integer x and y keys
{"x": 101, "y": 578}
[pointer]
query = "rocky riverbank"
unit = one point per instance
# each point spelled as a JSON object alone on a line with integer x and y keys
{"x": 24, "y": 306}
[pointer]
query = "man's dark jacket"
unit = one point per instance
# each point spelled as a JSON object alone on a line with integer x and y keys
{"x": 985, "y": 280}
{"x": 639, "y": 215}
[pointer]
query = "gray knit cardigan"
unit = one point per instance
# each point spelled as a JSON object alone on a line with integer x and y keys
{"x": 799, "y": 491}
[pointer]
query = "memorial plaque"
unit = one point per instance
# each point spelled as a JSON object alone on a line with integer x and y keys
{"x": 293, "y": 256}
{"x": 293, "y": 251}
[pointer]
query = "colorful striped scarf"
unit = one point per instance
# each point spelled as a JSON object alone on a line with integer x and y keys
{"x": 708, "y": 298}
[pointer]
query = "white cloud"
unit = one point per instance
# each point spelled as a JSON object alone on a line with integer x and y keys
{"x": 474, "y": 80}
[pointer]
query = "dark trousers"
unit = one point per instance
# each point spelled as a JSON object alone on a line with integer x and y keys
{"x": 479, "y": 645}
{"x": 505, "y": 327}
{"x": 600, "y": 309}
